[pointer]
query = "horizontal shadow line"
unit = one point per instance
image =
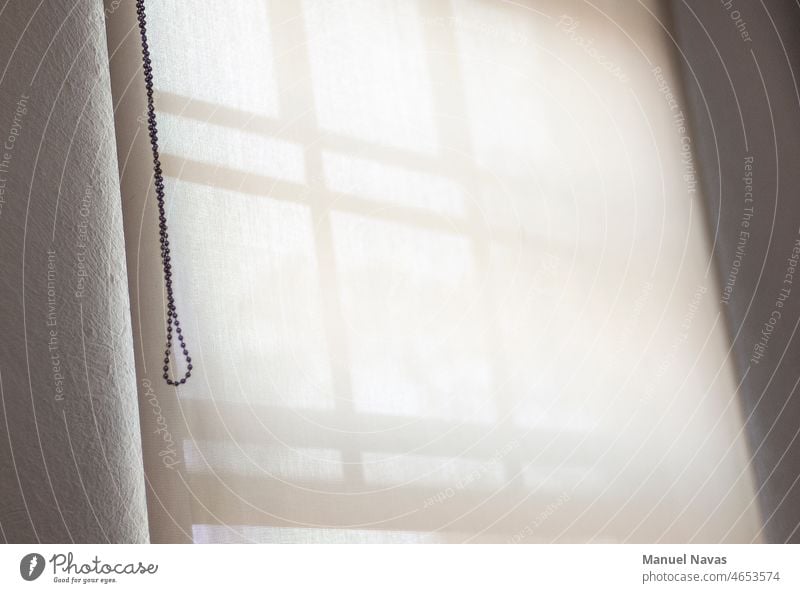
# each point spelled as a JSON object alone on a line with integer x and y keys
{"x": 300, "y": 133}
{"x": 244, "y": 182}
{"x": 394, "y": 508}
{"x": 361, "y": 433}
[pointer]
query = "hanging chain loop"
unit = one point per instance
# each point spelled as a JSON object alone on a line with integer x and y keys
{"x": 172, "y": 313}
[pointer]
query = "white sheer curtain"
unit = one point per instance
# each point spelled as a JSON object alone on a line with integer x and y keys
{"x": 443, "y": 271}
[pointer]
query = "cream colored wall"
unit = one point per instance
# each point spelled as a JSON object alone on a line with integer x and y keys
{"x": 443, "y": 271}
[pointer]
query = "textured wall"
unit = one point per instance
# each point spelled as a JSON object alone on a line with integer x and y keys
{"x": 70, "y": 454}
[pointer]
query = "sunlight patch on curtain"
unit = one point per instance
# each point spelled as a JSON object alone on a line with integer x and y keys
{"x": 442, "y": 279}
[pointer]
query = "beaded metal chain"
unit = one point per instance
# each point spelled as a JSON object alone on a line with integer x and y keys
{"x": 172, "y": 313}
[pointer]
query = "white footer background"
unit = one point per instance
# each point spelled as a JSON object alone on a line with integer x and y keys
{"x": 410, "y": 568}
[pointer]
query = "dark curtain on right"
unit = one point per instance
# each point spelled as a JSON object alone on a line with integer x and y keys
{"x": 739, "y": 60}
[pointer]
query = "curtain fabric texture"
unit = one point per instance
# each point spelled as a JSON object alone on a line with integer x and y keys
{"x": 70, "y": 456}
{"x": 443, "y": 270}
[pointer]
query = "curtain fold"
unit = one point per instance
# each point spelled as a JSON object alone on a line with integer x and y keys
{"x": 70, "y": 456}
{"x": 162, "y": 429}
{"x": 739, "y": 64}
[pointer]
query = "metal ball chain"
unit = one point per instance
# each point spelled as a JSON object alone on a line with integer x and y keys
{"x": 172, "y": 313}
